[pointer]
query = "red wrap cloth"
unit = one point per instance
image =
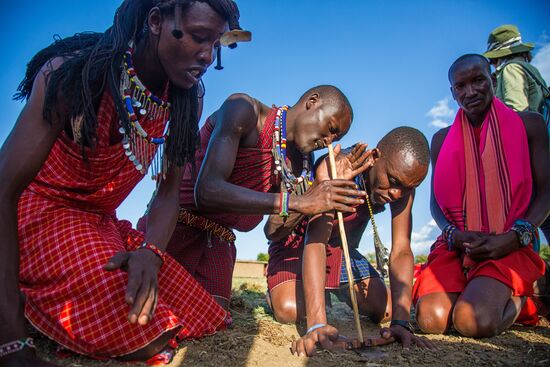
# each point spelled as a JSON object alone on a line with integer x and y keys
{"x": 285, "y": 256}
{"x": 68, "y": 231}
{"x": 483, "y": 182}
{"x": 209, "y": 259}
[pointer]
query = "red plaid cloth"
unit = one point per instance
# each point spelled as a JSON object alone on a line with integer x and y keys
{"x": 253, "y": 170}
{"x": 285, "y": 256}
{"x": 209, "y": 259}
{"x": 68, "y": 231}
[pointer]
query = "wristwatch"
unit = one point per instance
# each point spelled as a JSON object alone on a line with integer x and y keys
{"x": 524, "y": 233}
{"x": 403, "y": 323}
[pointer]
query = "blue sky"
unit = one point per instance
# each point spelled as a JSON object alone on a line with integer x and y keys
{"x": 389, "y": 57}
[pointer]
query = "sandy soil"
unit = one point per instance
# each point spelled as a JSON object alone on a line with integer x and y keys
{"x": 257, "y": 340}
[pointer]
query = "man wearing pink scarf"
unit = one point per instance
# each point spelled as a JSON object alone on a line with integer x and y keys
{"x": 490, "y": 191}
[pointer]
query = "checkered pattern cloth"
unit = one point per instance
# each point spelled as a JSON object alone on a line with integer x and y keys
{"x": 360, "y": 267}
{"x": 253, "y": 169}
{"x": 285, "y": 256}
{"x": 208, "y": 258}
{"x": 68, "y": 231}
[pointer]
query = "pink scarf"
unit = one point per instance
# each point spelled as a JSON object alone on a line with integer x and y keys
{"x": 486, "y": 186}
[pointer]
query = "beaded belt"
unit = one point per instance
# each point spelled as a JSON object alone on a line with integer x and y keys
{"x": 204, "y": 224}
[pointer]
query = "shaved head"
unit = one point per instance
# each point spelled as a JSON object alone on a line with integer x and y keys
{"x": 330, "y": 96}
{"x": 468, "y": 60}
{"x": 408, "y": 140}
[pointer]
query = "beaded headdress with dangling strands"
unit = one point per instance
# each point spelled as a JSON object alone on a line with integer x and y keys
{"x": 142, "y": 149}
{"x": 297, "y": 185}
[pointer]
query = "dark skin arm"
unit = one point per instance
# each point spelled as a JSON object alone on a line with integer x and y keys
{"x": 20, "y": 164}
{"x": 236, "y": 125}
{"x": 459, "y": 237}
{"x": 348, "y": 166}
{"x": 497, "y": 246}
{"x": 143, "y": 265}
{"x": 401, "y": 267}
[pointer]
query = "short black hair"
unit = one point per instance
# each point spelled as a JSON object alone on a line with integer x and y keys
{"x": 330, "y": 95}
{"x": 406, "y": 139}
{"x": 468, "y": 58}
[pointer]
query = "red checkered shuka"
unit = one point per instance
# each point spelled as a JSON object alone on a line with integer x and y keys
{"x": 285, "y": 256}
{"x": 253, "y": 170}
{"x": 208, "y": 258}
{"x": 68, "y": 231}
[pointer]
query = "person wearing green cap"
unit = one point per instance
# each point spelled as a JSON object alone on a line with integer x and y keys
{"x": 519, "y": 84}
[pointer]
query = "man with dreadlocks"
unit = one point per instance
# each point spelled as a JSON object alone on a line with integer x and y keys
{"x": 248, "y": 150}
{"x": 309, "y": 260}
{"x": 97, "y": 110}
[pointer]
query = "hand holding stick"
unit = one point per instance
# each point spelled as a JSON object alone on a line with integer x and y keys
{"x": 344, "y": 241}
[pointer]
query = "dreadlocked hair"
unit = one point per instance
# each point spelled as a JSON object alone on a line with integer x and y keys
{"x": 92, "y": 62}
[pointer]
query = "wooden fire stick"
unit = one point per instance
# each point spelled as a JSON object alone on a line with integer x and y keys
{"x": 344, "y": 240}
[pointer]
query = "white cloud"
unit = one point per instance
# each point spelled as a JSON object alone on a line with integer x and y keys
{"x": 441, "y": 114}
{"x": 424, "y": 238}
{"x": 542, "y": 62}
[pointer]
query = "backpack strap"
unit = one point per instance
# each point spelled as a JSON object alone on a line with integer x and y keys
{"x": 543, "y": 86}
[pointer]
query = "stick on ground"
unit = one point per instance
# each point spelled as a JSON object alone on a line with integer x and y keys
{"x": 344, "y": 240}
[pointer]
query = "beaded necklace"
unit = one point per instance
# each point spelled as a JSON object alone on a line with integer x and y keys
{"x": 299, "y": 184}
{"x": 142, "y": 149}
{"x": 382, "y": 254}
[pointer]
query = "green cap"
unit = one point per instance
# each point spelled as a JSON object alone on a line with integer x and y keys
{"x": 506, "y": 40}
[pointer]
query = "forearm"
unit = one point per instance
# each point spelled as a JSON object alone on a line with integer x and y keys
{"x": 12, "y": 317}
{"x": 437, "y": 214}
{"x": 401, "y": 277}
{"x": 222, "y": 196}
{"x": 163, "y": 213}
{"x": 313, "y": 281}
{"x": 539, "y": 209}
{"x": 161, "y": 221}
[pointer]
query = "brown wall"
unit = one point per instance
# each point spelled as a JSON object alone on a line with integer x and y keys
{"x": 249, "y": 269}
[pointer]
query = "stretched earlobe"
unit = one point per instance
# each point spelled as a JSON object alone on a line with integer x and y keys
{"x": 176, "y": 32}
{"x": 312, "y": 100}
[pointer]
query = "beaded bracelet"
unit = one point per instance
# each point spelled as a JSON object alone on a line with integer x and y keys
{"x": 448, "y": 233}
{"x": 155, "y": 249}
{"x": 15, "y": 346}
{"x": 283, "y": 204}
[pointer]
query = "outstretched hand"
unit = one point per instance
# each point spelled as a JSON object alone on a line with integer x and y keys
{"x": 405, "y": 337}
{"x": 348, "y": 165}
{"x": 142, "y": 267}
{"x": 327, "y": 337}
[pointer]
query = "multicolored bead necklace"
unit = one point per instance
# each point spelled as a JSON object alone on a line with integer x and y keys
{"x": 292, "y": 183}
{"x": 142, "y": 149}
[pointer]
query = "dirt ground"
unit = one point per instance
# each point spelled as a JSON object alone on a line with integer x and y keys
{"x": 257, "y": 340}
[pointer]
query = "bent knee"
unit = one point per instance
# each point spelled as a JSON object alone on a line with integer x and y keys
{"x": 284, "y": 310}
{"x": 373, "y": 299}
{"x": 475, "y": 321}
{"x": 433, "y": 317}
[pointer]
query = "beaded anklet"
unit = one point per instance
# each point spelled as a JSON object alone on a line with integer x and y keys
{"x": 15, "y": 346}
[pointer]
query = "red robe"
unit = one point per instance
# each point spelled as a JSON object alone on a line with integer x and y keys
{"x": 209, "y": 259}
{"x": 68, "y": 231}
